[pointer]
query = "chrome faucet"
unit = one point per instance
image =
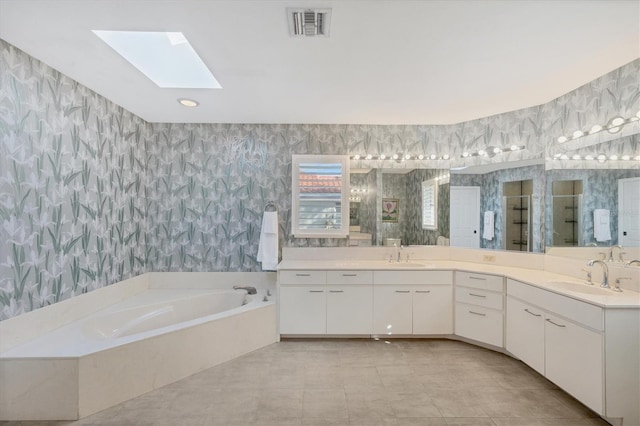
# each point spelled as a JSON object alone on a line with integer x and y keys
{"x": 605, "y": 272}
{"x": 611, "y": 259}
{"x": 249, "y": 289}
{"x": 631, "y": 262}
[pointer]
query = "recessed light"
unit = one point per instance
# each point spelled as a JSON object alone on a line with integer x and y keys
{"x": 188, "y": 102}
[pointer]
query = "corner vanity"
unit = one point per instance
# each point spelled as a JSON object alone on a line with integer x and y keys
{"x": 584, "y": 339}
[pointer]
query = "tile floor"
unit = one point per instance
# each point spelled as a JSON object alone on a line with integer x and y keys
{"x": 355, "y": 382}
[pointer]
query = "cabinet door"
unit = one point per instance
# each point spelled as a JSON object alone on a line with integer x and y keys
{"x": 433, "y": 310}
{"x": 479, "y": 323}
{"x": 303, "y": 310}
{"x": 349, "y": 309}
{"x": 573, "y": 361}
{"x": 392, "y": 310}
{"x": 525, "y": 333}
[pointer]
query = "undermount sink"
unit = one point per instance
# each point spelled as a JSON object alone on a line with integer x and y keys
{"x": 406, "y": 264}
{"x": 580, "y": 288}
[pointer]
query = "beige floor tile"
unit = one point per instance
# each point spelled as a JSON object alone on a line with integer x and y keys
{"x": 326, "y": 404}
{"x": 355, "y": 382}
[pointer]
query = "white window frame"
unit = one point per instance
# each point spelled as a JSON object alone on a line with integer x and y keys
{"x": 430, "y": 190}
{"x": 343, "y": 231}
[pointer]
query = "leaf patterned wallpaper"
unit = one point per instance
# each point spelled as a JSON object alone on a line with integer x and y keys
{"x": 91, "y": 194}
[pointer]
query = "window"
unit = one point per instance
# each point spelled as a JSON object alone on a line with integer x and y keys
{"x": 320, "y": 203}
{"x": 430, "y": 204}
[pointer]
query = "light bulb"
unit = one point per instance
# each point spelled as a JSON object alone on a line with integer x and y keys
{"x": 564, "y": 157}
{"x": 514, "y": 147}
{"x": 497, "y": 150}
{"x": 601, "y": 158}
{"x": 433, "y": 156}
{"x": 626, "y": 157}
{"x": 613, "y": 157}
{"x": 588, "y": 157}
{"x": 576, "y": 157}
{"x": 481, "y": 152}
{"x": 577, "y": 134}
{"x": 356, "y": 157}
{"x": 368, "y": 157}
{"x": 617, "y": 121}
{"x": 557, "y": 156}
{"x": 465, "y": 154}
{"x": 420, "y": 157}
{"x": 562, "y": 139}
{"x": 395, "y": 156}
{"x": 595, "y": 129}
{"x": 407, "y": 157}
{"x": 445, "y": 157}
{"x": 383, "y": 157}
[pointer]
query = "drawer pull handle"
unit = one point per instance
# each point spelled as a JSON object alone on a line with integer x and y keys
{"x": 423, "y": 291}
{"x": 303, "y": 275}
{"x": 349, "y": 275}
{"x": 477, "y": 313}
{"x": 477, "y": 295}
{"x": 557, "y": 325}
{"x": 316, "y": 291}
{"x": 403, "y": 291}
{"x": 529, "y": 312}
{"x": 477, "y": 278}
{"x": 336, "y": 291}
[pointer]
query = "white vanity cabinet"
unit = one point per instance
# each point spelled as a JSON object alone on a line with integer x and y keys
{"x": 560, "y": 337}
{"x": 525, "y": 333}
{"x": 412, "y": 303}
{"x": 349, "y": 302}
{"x": 303, "y": 302}
{"x": 325, "y": 302}
{"x": 479, "y": 307}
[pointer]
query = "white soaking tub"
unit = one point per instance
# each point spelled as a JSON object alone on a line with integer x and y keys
{"x": 150, "y": 336}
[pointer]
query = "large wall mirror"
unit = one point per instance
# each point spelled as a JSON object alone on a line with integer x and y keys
{"x": 408, "y": 206}
{"x": 593, "y": 198}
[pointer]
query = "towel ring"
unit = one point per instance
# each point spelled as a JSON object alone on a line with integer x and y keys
{"x": 271, "y": 204}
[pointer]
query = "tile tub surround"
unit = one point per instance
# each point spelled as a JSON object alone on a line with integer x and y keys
{"x": 355, "y": 383}
{"x": 38, "y": 388}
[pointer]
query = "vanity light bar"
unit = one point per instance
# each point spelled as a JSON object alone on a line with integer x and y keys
{"x": 490, "y": 151}
{"x": 401, "y": 157}
{"x": 600, "y": 157}
{"x": 614, "y": 125}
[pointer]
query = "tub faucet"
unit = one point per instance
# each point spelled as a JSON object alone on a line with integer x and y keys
{"x": 605, "y": 272}
{"x": 249, "y": 289}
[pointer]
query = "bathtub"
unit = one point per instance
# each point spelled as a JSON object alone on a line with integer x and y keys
{"x": 149, "y": 334}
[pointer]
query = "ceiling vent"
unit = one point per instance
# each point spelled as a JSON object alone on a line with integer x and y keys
{"x": 309, "y": 22}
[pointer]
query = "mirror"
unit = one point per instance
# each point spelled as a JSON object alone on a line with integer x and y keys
{"x": 397, "y": 191}
{"x": 583, "y": 180}
{"x": 509, "y": 215}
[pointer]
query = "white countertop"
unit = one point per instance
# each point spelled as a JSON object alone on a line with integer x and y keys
{"x": 534, "y": 277}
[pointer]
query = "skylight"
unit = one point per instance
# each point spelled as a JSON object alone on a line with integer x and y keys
{"x": 166, "y": 58}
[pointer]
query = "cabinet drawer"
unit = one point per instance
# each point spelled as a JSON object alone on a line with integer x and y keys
{"x": 478, "y": 323}
{"x": 302, "y": 277}
{"x": 413, "y": 277}
{"x": 349, "y": 277}
{"x": 576, "y": 310}
{"x": 484, "y": 298}
{"x": 481, "y": 281}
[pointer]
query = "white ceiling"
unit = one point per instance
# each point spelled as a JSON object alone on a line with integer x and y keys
{"x": 386, "y": 62}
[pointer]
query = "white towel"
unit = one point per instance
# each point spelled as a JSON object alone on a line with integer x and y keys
{"x": 268, "y": 245}
{"x": 601, "y": 228}
{"x": 488, "y": 231}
